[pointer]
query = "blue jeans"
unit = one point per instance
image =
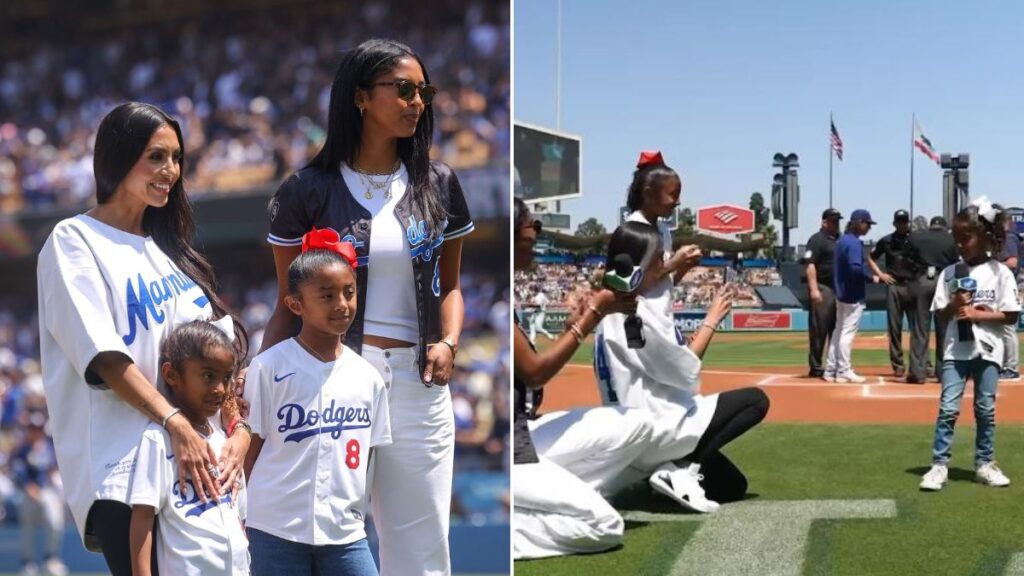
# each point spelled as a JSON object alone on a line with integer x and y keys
{"x": 954, "y": 379}
{"x": 273, "y": 556}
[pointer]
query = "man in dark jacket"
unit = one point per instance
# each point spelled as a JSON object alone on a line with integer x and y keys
{"x": 930, "y": 251}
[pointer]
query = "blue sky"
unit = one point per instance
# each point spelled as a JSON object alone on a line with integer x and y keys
{"x": 720, "y": 87}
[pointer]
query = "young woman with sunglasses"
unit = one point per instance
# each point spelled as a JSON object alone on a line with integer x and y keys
{"x": 374, "y": 184}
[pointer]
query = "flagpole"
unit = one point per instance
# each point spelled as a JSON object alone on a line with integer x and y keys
{"x": 830, "y": 124}
{"x": 913, "y": 124}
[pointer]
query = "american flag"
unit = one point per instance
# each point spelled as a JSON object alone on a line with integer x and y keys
{"x": 837, "y": 142}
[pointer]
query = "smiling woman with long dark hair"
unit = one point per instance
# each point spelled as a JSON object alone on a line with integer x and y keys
{"x": 113, "y": 282}
{"x": 374, "y": 184}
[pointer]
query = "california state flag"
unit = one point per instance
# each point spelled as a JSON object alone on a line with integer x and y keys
{"x": 923, "y": 143}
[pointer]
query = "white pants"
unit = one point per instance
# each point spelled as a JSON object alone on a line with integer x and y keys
{"x": 537, "y": 325}
{"x": 412, "y": 477}
{"x": 556, "y": 514}
{"x": 47, "y": 512}
{"x": 1011, "y": 347}
{"x": 597, "y": 445}
{"x": 847, "y": 322}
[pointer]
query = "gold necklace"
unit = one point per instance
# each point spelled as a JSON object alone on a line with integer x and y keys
{"x": 310, "y": 349}
{"x": 372, "y": 185}
{"x": 394, "y": 168}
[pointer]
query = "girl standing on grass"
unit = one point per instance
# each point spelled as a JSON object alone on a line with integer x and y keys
{"x": 986, "y": 299}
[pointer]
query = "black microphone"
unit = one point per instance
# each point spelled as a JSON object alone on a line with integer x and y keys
{"x": 965, "y": 332}
{"x": 623, "y": 266}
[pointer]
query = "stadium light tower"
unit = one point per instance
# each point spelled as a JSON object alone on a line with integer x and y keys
{"x": 786, "y": 194}
{"x": 955, "y": 183}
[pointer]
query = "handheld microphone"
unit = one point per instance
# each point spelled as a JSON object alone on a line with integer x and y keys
{"x": 965, "y": 331}
{"x": 623, "y": 266}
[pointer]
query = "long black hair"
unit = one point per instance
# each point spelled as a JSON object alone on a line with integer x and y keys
{"x": 638, "y": 240}
{"x": 359, "y": 69}
{"x": 647, "y": 177}
{"x": 120, "y": 141}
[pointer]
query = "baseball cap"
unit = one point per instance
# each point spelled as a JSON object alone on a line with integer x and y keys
{"x": 862, "y": 214}
{"x": 831, "y": 213}
{"x": 937, "y": 222}
{"x": 901, "y": 216}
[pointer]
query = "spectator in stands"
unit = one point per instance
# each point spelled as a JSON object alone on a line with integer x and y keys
{"x": 899, "y": 271}
{"x": 374, "y": 183}
{"x": 112, "y": 283}
{"x": 930, "y": 251}
{"x": 851, "y": 275}
{"x": 818, "y": 263}
{"x": 35, "y": 469}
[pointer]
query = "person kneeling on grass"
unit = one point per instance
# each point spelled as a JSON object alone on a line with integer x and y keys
{"x": 663, "y": 376}
{"x": 980, "y": 294}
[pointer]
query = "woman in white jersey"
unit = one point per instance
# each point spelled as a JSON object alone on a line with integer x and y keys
{"x": 112, "y": 283}
{"x": 975, "y": 297}
{"x": 373, "y": 183}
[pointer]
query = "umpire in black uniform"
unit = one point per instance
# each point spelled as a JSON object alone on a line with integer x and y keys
{"x": 818, "y": 261}
{"x": 930, "y": 252}
{"x": 894, "y": 248}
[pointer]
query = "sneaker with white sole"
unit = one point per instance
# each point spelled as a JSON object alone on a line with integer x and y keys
{"x": 1009, "y": 376}
{"x": 54, "y": 567}
{"x": 829, "y": 377}
{"x": 851, "y": 378}
{"x": 990, "y": 475}
{"x": 683, "y": 486}
{"x": 934, "y": 478}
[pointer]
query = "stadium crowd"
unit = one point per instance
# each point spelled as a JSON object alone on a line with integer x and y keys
{"x": 250, "y": 89}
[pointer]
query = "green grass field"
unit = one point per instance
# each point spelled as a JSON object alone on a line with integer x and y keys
{"x": 966, "y": 529}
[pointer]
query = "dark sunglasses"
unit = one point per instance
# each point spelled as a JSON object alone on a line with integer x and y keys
{"x": 407, "y": 90}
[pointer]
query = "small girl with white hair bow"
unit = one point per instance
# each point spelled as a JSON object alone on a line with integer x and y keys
{"x": 980, "y": 294}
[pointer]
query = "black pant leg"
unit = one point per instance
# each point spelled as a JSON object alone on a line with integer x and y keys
{"x": 723, "y": 480}
{"x": 111, "y": 521}
{"x": 894, "y": 317}
{"x": 821, "y": 323}
{"x": 737, "y": 411}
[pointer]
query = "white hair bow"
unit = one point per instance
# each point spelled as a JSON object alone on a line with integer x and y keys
{"x": 986, "y": 209}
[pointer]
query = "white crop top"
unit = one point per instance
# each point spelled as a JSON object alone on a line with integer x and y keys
{"x": 390, "y": 299}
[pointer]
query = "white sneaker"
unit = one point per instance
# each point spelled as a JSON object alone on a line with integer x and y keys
{"x": 990, "y": 474}
{"x": 851, "y": 378}
{"x": 54, "y": 567}
{"x": 829, "y": 377}
{"x": 30, "y": 569}
{"x": 683, "y": 486}
{"x": 934, "y": 478}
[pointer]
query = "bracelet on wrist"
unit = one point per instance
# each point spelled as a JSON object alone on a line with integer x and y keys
{"x": 239, "y": 424}
{"x": 595, "y": 310}
{"x": 167, "y": 418}
{"x": 577, "y": 333}
{"x": 714, "y": 327}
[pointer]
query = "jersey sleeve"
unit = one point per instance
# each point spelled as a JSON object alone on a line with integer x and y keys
{"x": 880, "y": 248}
{"x": 1008, "y": 299}
{"x": 291, "y": 211}
{"x": 813, "y": 254}
{"x": 459, "y": 221}
{"x": 941, "y": 298}
{"x": 152, "y": 475}
{"x": 77, "y": 304}
{"x": 380, "y": 434}
{"x": 255, "y": 381}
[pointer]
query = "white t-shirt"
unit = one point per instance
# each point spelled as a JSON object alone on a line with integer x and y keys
{"x": 318, "y": 421}
{"x": 997, "y": 290}
{"x": 102, "y": 289}
{"x": 192, "y": 538}
{"x": 391, "y": 306}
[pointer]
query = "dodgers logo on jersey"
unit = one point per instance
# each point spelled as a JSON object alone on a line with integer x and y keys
{"x": 188, "y": 497}
{"x": 422, "y": 247}
{"x": 295, "y": 417}
{"x": 360, "y": 260}
{"x": 143, "y": 299}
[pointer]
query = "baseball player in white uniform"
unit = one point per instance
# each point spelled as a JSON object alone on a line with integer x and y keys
{"x": 540, "y": 301}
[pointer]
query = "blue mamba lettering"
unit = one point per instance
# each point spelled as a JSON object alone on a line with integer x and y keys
{"x": 295, "y": 417}
{"x": 144, "y": 299}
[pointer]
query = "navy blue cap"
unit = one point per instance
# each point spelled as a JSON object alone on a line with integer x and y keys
{"x": 863, "y": 215}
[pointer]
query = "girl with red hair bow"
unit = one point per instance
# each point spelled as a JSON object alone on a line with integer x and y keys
{"x": 317, "y": 409}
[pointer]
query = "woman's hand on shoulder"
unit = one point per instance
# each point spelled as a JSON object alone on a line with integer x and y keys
{"x": 195, "y": 458}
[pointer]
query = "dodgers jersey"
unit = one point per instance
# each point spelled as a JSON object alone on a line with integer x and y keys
{"x": 997, "y": 290}
{"x": 102, "y": 289}
{"x": 318, "y": 421}
{"x": 193, "y": 539}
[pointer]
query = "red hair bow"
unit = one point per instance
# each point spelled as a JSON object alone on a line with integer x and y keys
{"x": 327, "y": 239}
{"x": 650, "y": 158}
